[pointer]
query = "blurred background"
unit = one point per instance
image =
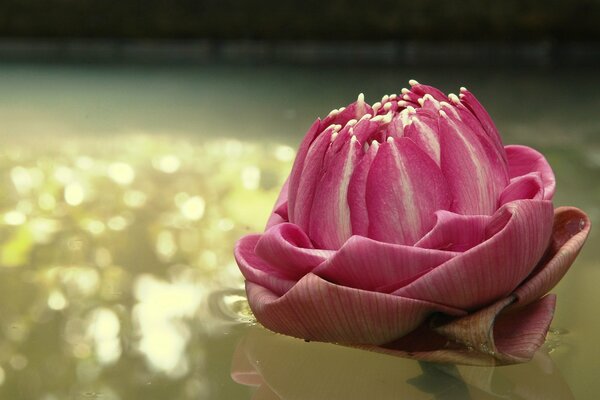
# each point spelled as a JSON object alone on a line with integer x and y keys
{"x": 139, "y": 140}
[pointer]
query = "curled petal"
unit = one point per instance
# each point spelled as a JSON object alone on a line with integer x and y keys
{"x": 367, "y": 264}
{"x": 399, "y": 205}
{"x": 571, "y": 228}
{"x": 524, "y": 187}
{"x": 518, "y": 236}
{"x": 315, "y": 309}
{"x": 455, "y": 232}
{"x": 523, "y": 160}
{"x": 286, "y": 247}
{"x": 257, "y": 270}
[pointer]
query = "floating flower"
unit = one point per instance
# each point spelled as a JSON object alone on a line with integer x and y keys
{"x": 407, "y": 227}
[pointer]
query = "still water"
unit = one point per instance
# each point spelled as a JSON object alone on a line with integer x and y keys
{"x": 124, "y": 187}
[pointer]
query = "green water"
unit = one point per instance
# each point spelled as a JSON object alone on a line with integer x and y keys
{"x": 123, "y": 189}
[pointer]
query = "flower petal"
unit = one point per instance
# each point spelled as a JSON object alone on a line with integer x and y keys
{"x": 470, "y": 101}
{"x": 523, "y": 160}
{"x": 455, "y": 232}
{"x": 524, "y": 187}
{"x": 423, "y": 130}
{"x": 474, "y": 174}
{"x": 367, "y": 264}
{"x": 315, "y": 309}
{"x": 399, "y": 205}
{"x": 280, "y": 209}
{"x": 518, "y": 235}
{"x": 286, "y": 247}
{"x": 357, "y": 201}
{"x": 308, "y": 181}
{"x": 298, "y": 167}
{"x": 257, "y": 270}
{"x": 330, "y": 224}
{"x": 571, "y": 228}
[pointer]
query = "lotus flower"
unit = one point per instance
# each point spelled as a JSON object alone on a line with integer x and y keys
{"x": 407, "y": 227}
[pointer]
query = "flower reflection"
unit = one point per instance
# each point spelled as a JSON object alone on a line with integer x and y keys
{"x": 281, "y": 367}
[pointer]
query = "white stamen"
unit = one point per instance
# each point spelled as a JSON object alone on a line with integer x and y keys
{"x": 366, "y": 116}
{"x": 413, "y": 82}
{"x": 376, "y": 107}
{"x": 443, "y": 114}
{"x": 463, "y": 89}
{"x": 337, "y": 127}
{"x": 428, "y": 97}
{"x": 387, "y": 118}
{"x": 390, "y": 139}
{"x": 361, "y": 98}
{"x": 402, "y": 103}
{"x": 406, "y": 97}
{"x": 421, "y": 101}
{"x": 352, "y": 122}
{"x": 341, "y": 109}
{"x": 445, "y": 104}
{"x": 333, "y": 136}
{"x": 333, "y": 113}
{"x": 393, "y": 96}
{"x": 387, "y": 106}
{"x": 354, "y": 139}
{"x": 375, "y": 145}
{"x": 411, "y": 109}
{"x": 453, "y": 98}
{"x": 385, "y": 98}
{"x": 405, "y": 91}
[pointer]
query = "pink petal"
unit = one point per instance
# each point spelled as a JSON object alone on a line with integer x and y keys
{"x": 311, "y": 173}
{"x": 470, "y": 101}
{"x": 353, "y": 111}
{"x": 280, "y": 209}
{"x": 474, "y": 174}
{"x": 421, "y": 90}
{"x": 298, "y": 167}
{"x": 519, "y": 333}
{"x": 524, "y": 187}
{"x": 423, "y": 130}
{"x": 493, "y": 269}
{"x": 357, "y": 200}
{"x": 257, "y": 270}
{"x": 315, "y": 309}
{"x": 367, "y": 264}
{"x": 400, "y": 206}
{"x": 571, "y": 229}
{"x": 330, "y": 224}
{"x": 455, "y": 232}
{"x": 523, "y": 160}
{"x": 286, "y": 248}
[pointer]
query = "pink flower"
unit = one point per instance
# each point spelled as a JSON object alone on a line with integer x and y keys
{"x": 407, "y": 227}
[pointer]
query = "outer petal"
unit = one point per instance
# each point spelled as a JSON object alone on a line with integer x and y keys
{"x": 474, "y": 174}
{"x": 400, "y": 206}
{"x": 367, "y": 264}
{"x": 455, "y": 232}
{"x": 519, "y": 232}
{"x": 315, "y": 309}
{"x": 524, "y": 187}
{"x": 423, "y": 130}
{"x": 330, "y": 224}
{"x": 286, "y": 248}
{"x": 571, "y": 228}
{"x": 523, "y": 160}
{"x": 257, "y": 270}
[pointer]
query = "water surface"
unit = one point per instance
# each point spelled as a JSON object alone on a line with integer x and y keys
{"x": 124, "y": 187}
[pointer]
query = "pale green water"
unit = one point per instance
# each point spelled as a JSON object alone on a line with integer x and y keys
{"x": 124, "y": 188}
